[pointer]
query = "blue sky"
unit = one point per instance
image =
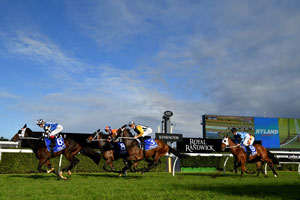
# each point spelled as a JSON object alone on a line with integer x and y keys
{"x": 87, "y": 64}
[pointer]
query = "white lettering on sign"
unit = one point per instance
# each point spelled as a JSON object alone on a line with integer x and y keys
{"x": 266, "y": 131}
{"x": 198, "y": 144}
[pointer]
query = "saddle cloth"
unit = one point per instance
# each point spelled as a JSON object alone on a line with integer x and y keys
{"x": 252, "y": 148}
{"x": 60, "y": 144}
{"x": 150, "y": 144}
{"x": 121, "y": 148}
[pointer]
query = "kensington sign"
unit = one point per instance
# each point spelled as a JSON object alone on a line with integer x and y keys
{"x": 169, "y": 137}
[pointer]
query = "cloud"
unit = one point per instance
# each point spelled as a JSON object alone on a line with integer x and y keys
{"x": 31, "y": 45}
{"x": 229, "y": 58}
{"x": 7, "y": 95}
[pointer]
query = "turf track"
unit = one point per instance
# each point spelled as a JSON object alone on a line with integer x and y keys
{"x": 154, "y": 186}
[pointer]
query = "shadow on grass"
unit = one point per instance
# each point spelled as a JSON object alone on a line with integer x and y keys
{"x": 33, "y": 176}
{"x": 111, "y": 175}
{"x": 260, "y": 190}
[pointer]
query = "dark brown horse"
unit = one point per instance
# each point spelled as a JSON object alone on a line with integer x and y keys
{"x": 37, "y": 144}
{"x": 109, "y": 152}
{"x": 137, "y": 154}
{"x": 262, "y": 155}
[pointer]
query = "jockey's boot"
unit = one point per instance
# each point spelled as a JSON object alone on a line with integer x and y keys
{"x": 52, "y": 144}
{"x": 248, "y": 153}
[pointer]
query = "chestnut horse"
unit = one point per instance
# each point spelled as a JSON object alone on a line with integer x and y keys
{"x": 108, "y": 152}
{"x": 37, "y": 144}
{"x": 137, "y": 154}
{"x": 262, "y": 155}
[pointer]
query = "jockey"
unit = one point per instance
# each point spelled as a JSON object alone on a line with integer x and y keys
{"x": 110, "y": 132}
{"x": 247, "y": 139}
{"x": 141, "y": 131}
{"x": 52, "y": 129}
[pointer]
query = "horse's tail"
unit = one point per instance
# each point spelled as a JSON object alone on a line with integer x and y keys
{"x": 176, "y": 153}
{"x": 89, "y": 152}
{"x": 274, "y": 159}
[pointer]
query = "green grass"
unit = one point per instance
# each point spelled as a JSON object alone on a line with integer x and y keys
{"x": 153, "y": 185}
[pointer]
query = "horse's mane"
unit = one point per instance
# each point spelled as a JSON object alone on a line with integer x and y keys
{"x": 103, "y": 135}
{"x": 33, "y": 134}
{"x": 34, "y": 143}
{"x": 134, "y": 142}
{"x": 129, "y": 132}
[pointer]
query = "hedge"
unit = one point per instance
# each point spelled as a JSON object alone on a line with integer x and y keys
{"x": 27, "y": 163}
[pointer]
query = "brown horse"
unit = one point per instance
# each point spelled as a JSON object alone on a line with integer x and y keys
{"x": 262, "y": 155}
{"x": 37, "y": 144}
{"x": 108, "y": 152}
{"x": 137, "y": 154}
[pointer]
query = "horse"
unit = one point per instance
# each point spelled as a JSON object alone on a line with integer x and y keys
{"x": 262, "y": 155}
{"x": 137, "y": 154}
{"x": 108, "y": 153}
{"x": 37, "y": 144}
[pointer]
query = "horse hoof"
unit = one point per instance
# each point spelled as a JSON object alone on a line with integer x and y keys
{"x": 50, "y": 170}
{"x": 275, "y": 175}
{"x": 62, "y": 177}
{"x": 69, "y": 173}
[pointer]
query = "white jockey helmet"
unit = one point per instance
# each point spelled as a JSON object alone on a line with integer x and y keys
{"x": 40, "y": 121}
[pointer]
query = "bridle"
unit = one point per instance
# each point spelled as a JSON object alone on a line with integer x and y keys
{"x": 95, "y": 138}
{"x": 226, "y": 142}
{"x": 23, "y": 137}
{"x": 122, "y": 133}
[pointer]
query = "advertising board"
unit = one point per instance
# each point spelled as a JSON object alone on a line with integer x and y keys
{"x": 272, "y": 132}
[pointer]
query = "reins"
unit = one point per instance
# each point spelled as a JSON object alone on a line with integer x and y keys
{"x": 94, "y": 138}
{"x": 29, "y": 138}
{"x": 230, "y": 147}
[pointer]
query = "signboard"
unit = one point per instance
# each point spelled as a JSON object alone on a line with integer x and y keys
{"x": 199, "y": 145}
{"x": 169, "y": 137}
{"x": 266, "y": 130}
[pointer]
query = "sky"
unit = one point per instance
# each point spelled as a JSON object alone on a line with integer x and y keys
{"x": 88, "y": 64}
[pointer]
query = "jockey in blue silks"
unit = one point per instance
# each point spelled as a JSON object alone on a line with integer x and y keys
{"x": 52, "y": 129}
{"x": 247, "y": 139}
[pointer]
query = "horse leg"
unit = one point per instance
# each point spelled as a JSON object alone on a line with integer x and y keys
{"x": 258, "y": 167}
{"x": 235, "y": 166}
{"x": 154, "y": 163}
{"x": 127, "y": 166}
{"x": 40, "y": 165}
{"x": 51, "y": 169}
{"x": 270, "y": 164}
{"x": 73, "y": 162}
{"x": 243, "y": 168}
{"x": 108, "y": 163}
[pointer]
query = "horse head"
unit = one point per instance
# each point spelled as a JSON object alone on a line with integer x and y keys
{"x": 225, "y": 143}
{"x": 21, "y": 133}
{"x": 98, "y": 136}
{"x": 93, "y": 137}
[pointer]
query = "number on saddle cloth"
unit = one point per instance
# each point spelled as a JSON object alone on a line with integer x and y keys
{"x": 251, "y": 147}
{"x": 150, "y": 144}
{"x": 59, "y": 144}
{"x": 121, "y": 147}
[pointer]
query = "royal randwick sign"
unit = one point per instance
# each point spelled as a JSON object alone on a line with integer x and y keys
{"x": 199, "y": 145}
